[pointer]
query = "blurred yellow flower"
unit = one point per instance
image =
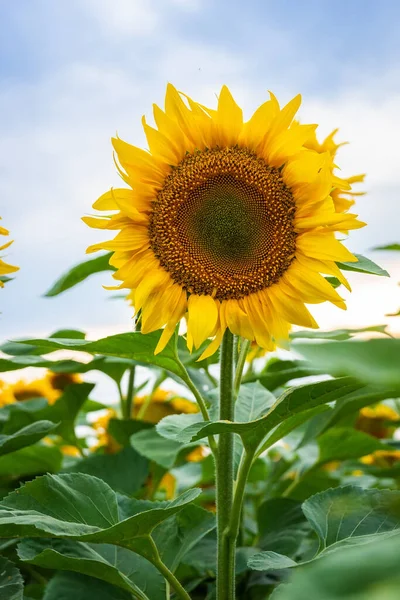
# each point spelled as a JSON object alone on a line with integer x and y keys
{"x": 229, "y": 223}
{"x": 51, "y": 387}
{"x": 375, "y": 420}
{"x": 383, "y": 459}
{"x": 5, "y": 269}
{"x": 161, "y": 404}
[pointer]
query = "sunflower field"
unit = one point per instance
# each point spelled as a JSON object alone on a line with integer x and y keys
{"x": 244, "y": 451}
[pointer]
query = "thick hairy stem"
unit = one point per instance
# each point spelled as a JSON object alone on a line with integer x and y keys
{"x": 244, "y": 349}
{"x": 224, "y": 476}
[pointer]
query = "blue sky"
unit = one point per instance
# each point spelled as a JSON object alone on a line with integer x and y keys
{"x": 73, "y": 72}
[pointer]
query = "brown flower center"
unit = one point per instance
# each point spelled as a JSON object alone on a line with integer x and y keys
{"x": 222, "y": 225}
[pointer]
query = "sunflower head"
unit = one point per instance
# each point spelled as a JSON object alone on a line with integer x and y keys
{"x": 162, "y": 403}
{"x": 5, "y": 269}
{"x": 227, "y": 222}
{"x": 50, "y": 387}
{"x": 379, "y": 421}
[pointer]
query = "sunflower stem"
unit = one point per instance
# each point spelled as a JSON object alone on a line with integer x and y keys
{"x": 168, "y": 575}
{"x": 129, "y": 394}
{"x": 244, "y": 349}
{"x": 224, "y": 476}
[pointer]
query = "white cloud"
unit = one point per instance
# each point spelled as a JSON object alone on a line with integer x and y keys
{"x": 124, "y": 17}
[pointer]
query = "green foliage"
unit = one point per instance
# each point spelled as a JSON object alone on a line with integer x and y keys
{"x": 375, "y": 360}
{"x": 79, "y": 273}
{"x": 119, "y": 518}
{"x": 11, "y": 583}
{"x": 364, "y": 265}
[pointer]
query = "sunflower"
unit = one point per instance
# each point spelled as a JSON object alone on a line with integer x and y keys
{"x": 161, "y": 404}
{"x": 230, "y": 224}
{"x": 5, "y": 269}
{"x": 379, "y": 421}
{"x": 51, "y": 387}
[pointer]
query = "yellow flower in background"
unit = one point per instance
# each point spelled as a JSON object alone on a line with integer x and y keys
{"x": 51, "y": 387}
{"x": 161, "y": 404}
{"x": 228, "y": 223}
{"x": 376, "y": 420}
{"x": 383, "y": 459}
{"x": 5, "y": 269}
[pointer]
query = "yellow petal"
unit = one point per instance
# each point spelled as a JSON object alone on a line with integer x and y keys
{"x": 202, "y": 317}
{"x": 176, "y": 316}
{"x": 229, "y": 119}
{"x": 324, "y": 246}
{"x": 292, "y": 310}
{"x": 237, "y": 320}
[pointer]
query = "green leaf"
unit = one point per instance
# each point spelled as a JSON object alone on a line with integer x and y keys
{"x": 388, "y": 247}
{"x": 177, "y": 536}
{"x": 344, "y": 407}
{"x": 279, "y": 372}
{"x": 62, "y": 413}
{"x": 11, "y": 582}
{"x": 334, "y": 281}
{"x": 75, "y": 334}
{"x": 84, "y": 508}
{"x": 364, "y": 265}
{"x": 350, "y": 515}
{"x": 293, "y": 401}
{"x": 79, "y": 273}
{"x": 25, "y": 437}
{"x": 375, "y": 361}
{"x": 73, "y": 586}
{"x": 336, "y": 334}
{"x": 135, "y": 346}
{"x": 150, "y": 444}
{"x": 269, "y": 561}
{"x": 31, "y": 460}
{"x": 368, "y": 572}
{"x": 342, "y": 443}
{"x": 122, "y": 429}
{"x": 290, "y": 424}
{"x": 124, "y": 471}
{"x": 281, "y": 525}
{"x": 117, "y": 566}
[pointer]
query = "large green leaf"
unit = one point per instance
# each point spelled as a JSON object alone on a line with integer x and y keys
{"x": 269, "y": 560}
{"x": 368, "y": 572}
{"x": 364, "y": 265}
{"x": 350, "y": 515}
{"x": 125, "y": 471}
{"x": 84, "y": 508}
{"x": 336, "y": 334}
{"x": 31, "y": 460}
{"x": 293, "y": 401}
{"x": 278, "y": 372}
{"x": 26, "y": 436}
{"x": 79, "y": 273}
{"x": 150, "y": 444}
{"x": 112, "y": 366}
{"x": 11, "y": 582}
{"x": 373, "y": 361}
{"x": 135, "y": 346}
{"x": 73, "y": 586}
{"x": 350, "y": 405}
{"x": 281, "y": 525}
{"x": 63, "y": 412}
{"x": 342, "y": 443}
{"x": 174, "y": 537}
{"x": 117, "y": 566}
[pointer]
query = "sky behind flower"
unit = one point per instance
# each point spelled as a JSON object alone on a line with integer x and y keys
{"x": 73, "y": 72}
